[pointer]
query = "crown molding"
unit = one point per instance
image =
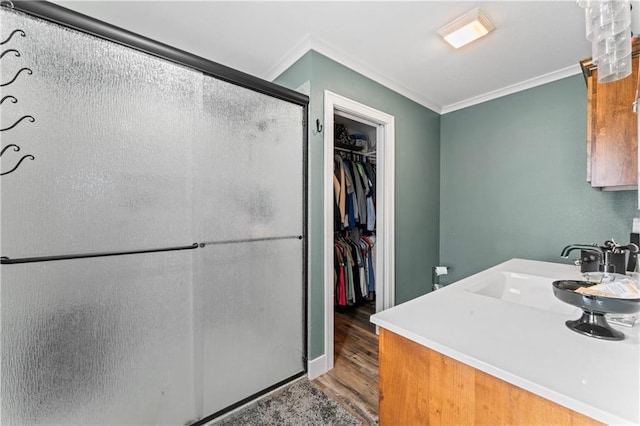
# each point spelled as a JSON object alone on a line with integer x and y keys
{"x": 290, "y": 58}
{"x": 311, "y": 43}
{"x": 514, "y": 88}
{"x": 343, "y": 59}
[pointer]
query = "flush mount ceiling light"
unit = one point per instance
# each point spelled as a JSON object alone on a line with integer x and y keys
{"x": 467, "y": 28}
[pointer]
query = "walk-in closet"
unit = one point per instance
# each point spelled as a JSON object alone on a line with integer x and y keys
{"x": 353, "y": 379}
{"x": 355, "y": 214}
{"x": 359, "y": 157}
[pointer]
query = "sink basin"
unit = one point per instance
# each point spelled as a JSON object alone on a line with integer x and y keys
{"x": 528, "y": 290}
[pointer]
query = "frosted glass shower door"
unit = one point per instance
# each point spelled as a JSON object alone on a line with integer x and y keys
{"x": 97, "y": 340}
{"x": 130, "y": 152}
{"x": 250, "y": 275}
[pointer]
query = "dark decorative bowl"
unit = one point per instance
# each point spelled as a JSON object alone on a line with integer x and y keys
{"x": 593, "y": 322}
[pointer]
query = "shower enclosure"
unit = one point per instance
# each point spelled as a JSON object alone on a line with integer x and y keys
{"x": 153, "y": 227}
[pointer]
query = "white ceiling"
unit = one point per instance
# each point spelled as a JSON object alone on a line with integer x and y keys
{"x": 392, "y": 42}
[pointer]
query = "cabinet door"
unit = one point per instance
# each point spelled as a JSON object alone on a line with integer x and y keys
{"x": 612, "y": 132}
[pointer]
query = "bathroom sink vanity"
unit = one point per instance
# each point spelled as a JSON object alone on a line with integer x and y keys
{"x": 493, "y": 348}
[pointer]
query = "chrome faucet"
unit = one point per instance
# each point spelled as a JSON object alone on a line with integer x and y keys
{"x": 603, "y": 255}
{"x": 590, "y": 256}
{"x": 586, "y": 247}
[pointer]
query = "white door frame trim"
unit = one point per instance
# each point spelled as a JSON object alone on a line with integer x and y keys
{"x": 385, "y": 200}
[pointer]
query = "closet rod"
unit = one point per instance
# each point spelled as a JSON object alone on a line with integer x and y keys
{"x": 365, "y": 154}
{"x": 9, "y": 261}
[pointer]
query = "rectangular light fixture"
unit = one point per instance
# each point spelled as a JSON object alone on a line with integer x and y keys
{"x": 467, "y": 28}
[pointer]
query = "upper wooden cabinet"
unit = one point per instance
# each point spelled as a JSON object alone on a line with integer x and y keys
{"x": 612, "y": 128}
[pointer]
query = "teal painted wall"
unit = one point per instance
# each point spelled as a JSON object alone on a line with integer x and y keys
{"x": 417, "y": 179}
{"x": 474, "y": 187}
{"x": 513, "y": 182}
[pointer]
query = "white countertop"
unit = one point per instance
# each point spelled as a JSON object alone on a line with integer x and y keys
{"x": 529, "y": 347}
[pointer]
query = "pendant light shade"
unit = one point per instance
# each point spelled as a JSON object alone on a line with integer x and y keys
{"x": 608, "y": 27}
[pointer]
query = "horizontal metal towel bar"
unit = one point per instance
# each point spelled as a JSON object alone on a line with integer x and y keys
{"x": 8, "y": 261}
{"x": 252, "y": 240}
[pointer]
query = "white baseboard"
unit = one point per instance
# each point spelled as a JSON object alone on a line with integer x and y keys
{"x": 317, "y": 367}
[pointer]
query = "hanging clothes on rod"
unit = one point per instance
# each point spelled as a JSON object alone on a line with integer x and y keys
{"x": 354, "y": 184}
{"x": 354, "y": 276}
{"x": 354, "y": 191}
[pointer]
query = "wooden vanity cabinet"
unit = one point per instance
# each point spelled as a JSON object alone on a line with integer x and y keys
{"x": 612, "y": 128}
{"x": 419, "y": 386}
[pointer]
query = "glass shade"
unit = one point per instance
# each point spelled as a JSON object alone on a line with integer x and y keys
{"x": 608, "y": 27}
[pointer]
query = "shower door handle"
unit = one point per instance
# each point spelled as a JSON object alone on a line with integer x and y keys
{"x": 8, "y": 261}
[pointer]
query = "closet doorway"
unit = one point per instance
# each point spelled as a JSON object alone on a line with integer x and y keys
{"x": 380, "y": 131}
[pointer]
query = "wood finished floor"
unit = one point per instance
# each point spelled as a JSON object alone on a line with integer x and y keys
{"x": 353, "y": 382}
